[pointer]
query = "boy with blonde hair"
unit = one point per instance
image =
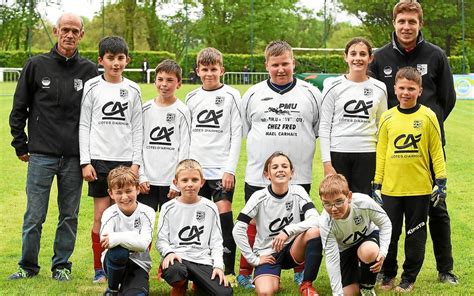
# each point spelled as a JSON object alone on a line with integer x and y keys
{"x": 110, "y": 131}
{"x": 189, "y": 237}
{"x": 216, "y": 135}
{"x": 125, "y": 234}
{"x": 166, "y": 137}
{"x": 279, "y": 114}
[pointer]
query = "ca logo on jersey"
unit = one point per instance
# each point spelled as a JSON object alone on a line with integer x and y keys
{"x": 114, "y": 110}
{"x": 358, "y": 109}
{"x": 407, "y": 143}
{"x": 161, "y": 135}
{"x": 190, "y": 235}
{"x": 278, "y": 224}
{"x": 355, "y": 237}
{"x": 209, "y": 118}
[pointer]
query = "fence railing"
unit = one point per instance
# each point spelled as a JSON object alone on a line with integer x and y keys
{"x": 244, "y": 77}
{"x": 9, "y": 74}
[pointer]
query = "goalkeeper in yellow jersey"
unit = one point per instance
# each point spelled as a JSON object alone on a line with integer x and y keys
{"x": 409, "y": 145}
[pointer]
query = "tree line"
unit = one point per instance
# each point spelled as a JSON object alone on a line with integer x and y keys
{"x": 236, "y": 26}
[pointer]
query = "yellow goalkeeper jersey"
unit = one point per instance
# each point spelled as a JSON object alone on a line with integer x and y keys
{"x": 408, "y": 141}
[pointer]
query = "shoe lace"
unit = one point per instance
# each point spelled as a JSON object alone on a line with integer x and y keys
{"x": 452, "y": 275}
{"x": 21, "y": 272}
{"x": 63, "y": 273}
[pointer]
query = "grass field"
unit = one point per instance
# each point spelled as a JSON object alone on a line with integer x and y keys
{"x": 460, "y": 139}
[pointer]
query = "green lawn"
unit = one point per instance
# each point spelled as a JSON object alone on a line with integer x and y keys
{"x": 460, "y": 139}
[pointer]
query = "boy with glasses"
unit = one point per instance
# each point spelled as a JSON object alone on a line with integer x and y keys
{"x": 355, "y": 232}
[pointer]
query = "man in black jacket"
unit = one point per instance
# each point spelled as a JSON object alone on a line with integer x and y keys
{"x": 48, "y": 97}
{"x": 408, "y": 48}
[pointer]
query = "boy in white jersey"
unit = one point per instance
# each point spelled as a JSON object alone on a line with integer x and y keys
{"x": 408, "y": 150}
{"x": 355, "y": 232}
{"x": 216, "y": 135}
{"x": 166, "y": 128}
{"x": 126, "y": 234}
{"x": 278, "y": 114}
{"x": 110, "y": 131}
{"x": 287, "y": 229}
{"x": 189, "y": 237}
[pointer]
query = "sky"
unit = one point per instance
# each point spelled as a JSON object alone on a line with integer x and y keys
{"x": 87, "y": 8}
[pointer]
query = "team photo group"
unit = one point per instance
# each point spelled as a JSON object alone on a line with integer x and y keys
{"x": 381, "y": 137}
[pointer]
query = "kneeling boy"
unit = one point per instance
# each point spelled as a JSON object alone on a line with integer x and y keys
{"x": 190, "y": 237}
{"x": 354, "y": 230}
{"x": 126, "y": 234}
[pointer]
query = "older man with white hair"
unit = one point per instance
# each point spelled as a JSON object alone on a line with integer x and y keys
{"x": 48, "y": 99}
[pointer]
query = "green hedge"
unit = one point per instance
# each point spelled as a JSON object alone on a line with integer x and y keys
{"x": 330, "y": 63}
{"x": 16, "y": 59}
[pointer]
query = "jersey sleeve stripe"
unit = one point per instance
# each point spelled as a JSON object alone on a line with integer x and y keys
{"x": 244, "y": 218}
{"x": 308, "y": 206}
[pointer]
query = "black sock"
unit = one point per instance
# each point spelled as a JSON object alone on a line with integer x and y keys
{"x": 367, "y": 277}
{"x": 227, "y": 223}
{"x": 313, "y": 256}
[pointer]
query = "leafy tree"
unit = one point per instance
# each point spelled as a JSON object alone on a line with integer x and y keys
{"x": 441, "y": 19}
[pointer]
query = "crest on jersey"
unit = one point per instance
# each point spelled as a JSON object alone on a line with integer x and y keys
{"x": 200, "y": 216}
{"x": 78, "y": 84}
{"x": 368, "y": 92}
{"x": 289, "y": 205}
{"x": 220, "y": 101}
{"x": 123, "y": 93}
{"x": 358, "y": 220}
{"x": 417, "y": 123}
{"x": 422, "y": 68}
{"x": 137, "y": 224}
{"x": 170, "y": 117}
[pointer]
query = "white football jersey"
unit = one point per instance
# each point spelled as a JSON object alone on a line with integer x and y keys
{"x": 191, "y": 231}
{"x": 350, "y": 114}
{"x": 134, "y": 232}
{"x": 273, "y": 214}
{"x": 216, "y": 132}
{"x": 166, "y": 137}
{"x": 365, "y": 216}
{"x": 285, "y": 121}
{"x": 110, "y": 127}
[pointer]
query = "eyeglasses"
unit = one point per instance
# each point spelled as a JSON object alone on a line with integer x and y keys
{"x": 338, "y": 204}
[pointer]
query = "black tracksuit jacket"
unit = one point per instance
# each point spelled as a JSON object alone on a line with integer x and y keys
{"x": 437, "y": 80}
{"x": 48, "y": 96}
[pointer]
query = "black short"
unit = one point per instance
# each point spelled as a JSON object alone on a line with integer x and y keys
{"x": 135, "y": 280}
{"x": 200, "y": 274}
{"x": 349, "y": 261}
{"x": 98, "y": 188}
{"x": 250, "y": 189}
{"x": 157, "y": 196}
{"x": 358, "y": 168}
{"x": 212, "y": 190}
